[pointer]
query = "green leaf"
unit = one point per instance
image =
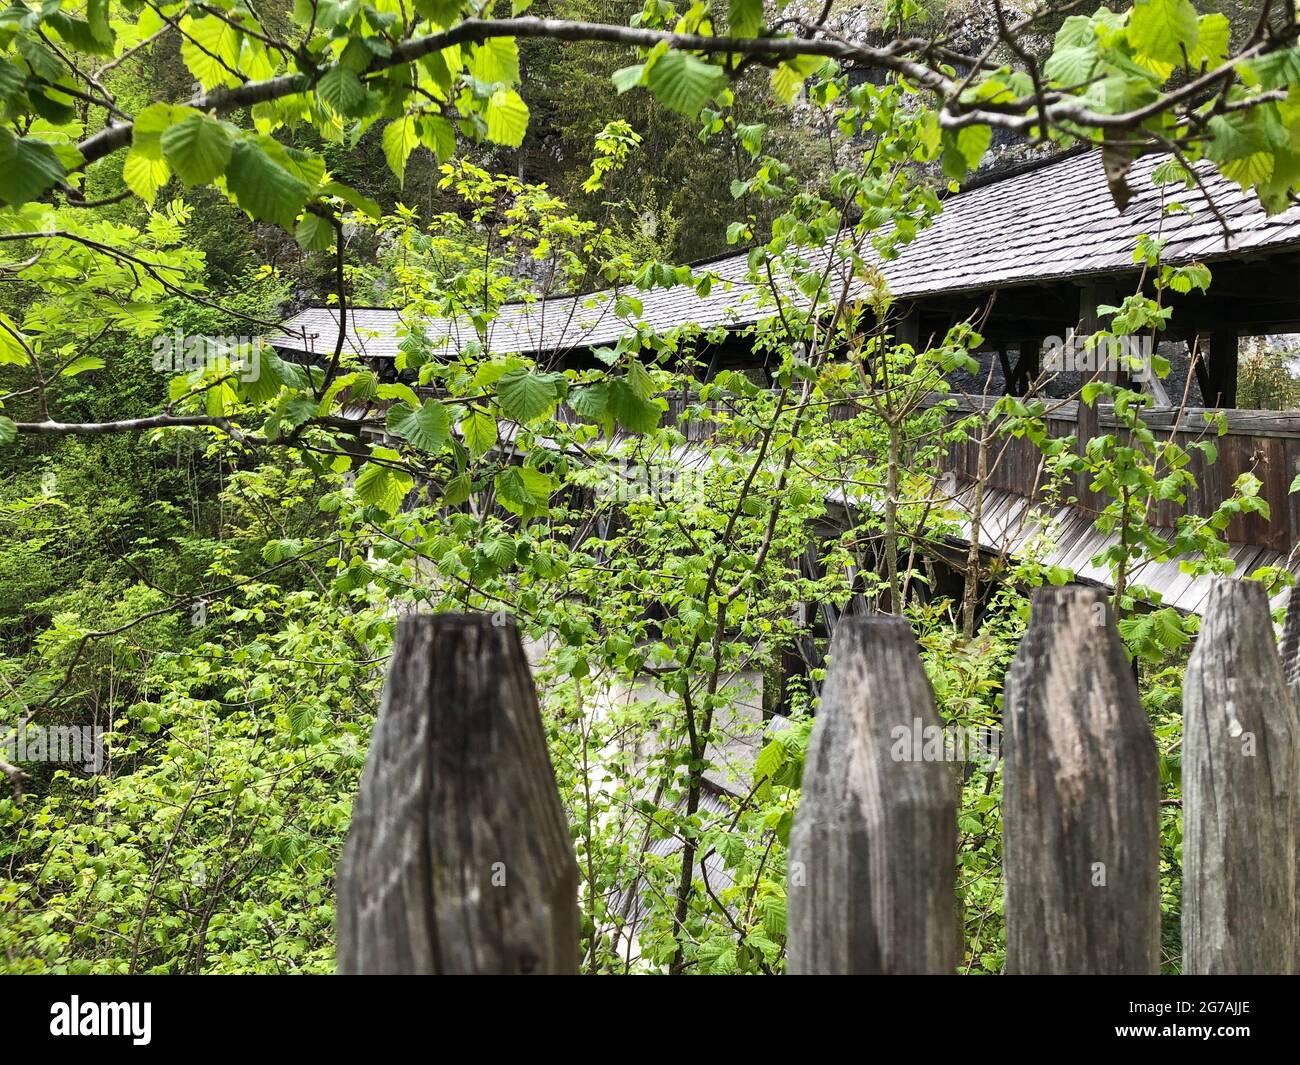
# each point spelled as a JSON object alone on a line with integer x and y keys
{"x": 144, "y": 175}
{"x": 1071, "y": 65}
{"x": 314, "y": 233}
{"x": 343, "y": 92}
{"x": 438, "y": 136}
{"x": 1277, "y": 70}
{"x": 262, "y": 376}
{"x": 12, "y": 81}
{"x": 789, "y": 75}
{"x": 353, "y": 198}
{"x": 210, "y": 48}
{"x": 95, "y": 38}
{"x": 427, "y": 427}
{"x": 744, "y": 18}
{"x": 1212, "y": 40}
{"x": 480, "y": 432}
{"x": 501, "y": 550}
{"x": 457, "y": 490}
{"x": 82, "y": 364}
{"x": 262, "y": 187}
{"x": 591, "y": 402}
{"x": 8, "y": 430}
{"x": 684, "y": 82}
{"x": 507, "y": 118}
{"x": 495, "y": 60}
{"x": 525, "y": 396}
{"x": 635, "y": 413}
{"x": 12, "y": 352}
{"x": 1160, "y": 29}
{"x": 197, "y": 148}
{"x": 401, "y": 137}
{"x": 28, "y": 168}
{"x": 523, "y": 491}
{"x": 383, "y": 487}
{"x": 627, "y": 78}
{"x": 963, "y": 150}
{"x": 639, "y": 380}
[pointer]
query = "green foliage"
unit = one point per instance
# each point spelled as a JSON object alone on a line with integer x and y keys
{"x": 218, "y": 592}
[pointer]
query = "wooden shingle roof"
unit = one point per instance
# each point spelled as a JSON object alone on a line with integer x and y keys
{"x": 1056, "y": 221}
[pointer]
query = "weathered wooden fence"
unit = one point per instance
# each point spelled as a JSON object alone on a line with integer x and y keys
{"x": 459, "y": 859}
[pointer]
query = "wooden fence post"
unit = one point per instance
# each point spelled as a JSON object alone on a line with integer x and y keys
{"x": 1239, "y": 792}
{"x": 1080, "y": 803}
{"x": 1290, "y": 652}
{"x": 871, "y": 878}
{"x": 459, "y": 858}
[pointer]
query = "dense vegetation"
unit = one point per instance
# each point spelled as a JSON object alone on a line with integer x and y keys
{"x": 207, "y": 563}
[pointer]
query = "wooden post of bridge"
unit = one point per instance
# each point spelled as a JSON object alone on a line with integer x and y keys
{"x": 871, "y": 875}
{"x": 1080, "y": 805}
{"x": 459, "y": 858}
{"x": 1239, "y": 792}
{"x": 1092, "y": 297}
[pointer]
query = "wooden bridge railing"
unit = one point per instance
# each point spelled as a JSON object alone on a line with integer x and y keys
{"x": 459, "y": 859}
{"x": 1264, "y": 443}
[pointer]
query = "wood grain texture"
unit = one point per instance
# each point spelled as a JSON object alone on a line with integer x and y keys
{"x": 1239, "y": 792}
{"x": 459, "y": 858}
{"x": 871, "y": 882}
{"x": 1080, "y": 805}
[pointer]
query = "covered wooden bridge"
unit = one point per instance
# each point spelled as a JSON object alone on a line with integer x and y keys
{"x": 1030, "y": 254}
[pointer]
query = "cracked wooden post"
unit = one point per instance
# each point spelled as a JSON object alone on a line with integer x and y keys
{"x": 459, "y": 858}
{"x": 1239, "y": 792}
{"x": 871, "y": 877}
{"x": 1080, "y": 803}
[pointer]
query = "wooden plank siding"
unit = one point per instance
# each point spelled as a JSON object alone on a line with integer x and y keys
{"x": 1265, "y": 444}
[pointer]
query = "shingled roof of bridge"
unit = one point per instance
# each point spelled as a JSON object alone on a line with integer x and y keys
{"x": 1052, "y": 222}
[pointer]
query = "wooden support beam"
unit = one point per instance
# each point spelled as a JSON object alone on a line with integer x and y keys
{"x": 1196, "y": 349}
{"x": 1008, "y": 372}
{"x": 1028, "y": 363}
{"x": 1093, "y": 295}
{"x": 1223, "y": 368}
{"x": 907, "y": 329}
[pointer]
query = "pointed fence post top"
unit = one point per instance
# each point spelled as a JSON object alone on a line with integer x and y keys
{"x": 459, "y": 858}
{"x": 1080, "y": 800}
{"x": 872, "y": 875}
{"x": 1071, "y": 665}
{"x": 1070, "y": 606}
{"x": 1236, "y": 609}
{"x": 872, "y": 635}
{"x": 875, "y": 685}
{"x": 1240, "y": 776}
